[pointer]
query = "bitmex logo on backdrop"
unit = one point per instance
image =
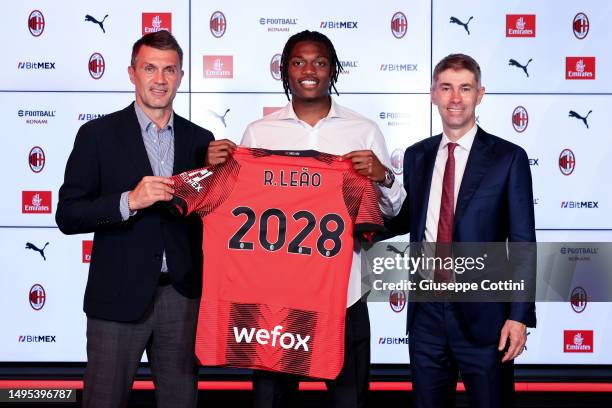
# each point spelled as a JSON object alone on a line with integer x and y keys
{"x": 154, "y": 22}
{"x": 35, "y": 65}
{"x": 89, "y": 116}
{"x": 87, "y": 247}
{"x": 262, "y": 336}
{"x": 520, "y": 25}
{"x": 579, "y": 68}
{"x": 393, "y": 340}
{"x": 36, "y": 202}
{"x": 37, "y": 339}
{"x": 578, "y": 341}
{"x": 350, "y": 25}
{"x": 218, "y": 66}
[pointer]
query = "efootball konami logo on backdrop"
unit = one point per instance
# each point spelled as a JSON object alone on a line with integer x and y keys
{"x": 218, "y": 24}
{"x": 275, "y": 67}
{"x": 218, "y": 66}
{"x": 520, "y": 119}
{"x": 36, "y": 159}
{"x": 154, "y": 22}
{"x": 579, "y": 68}
{"x": 37, "y": 296}
{"x": 36, "y": 23}
{"x": 567, "y": 162}
{"x": 96, "y": 65}
{"x": 580, "y": 26}
{"x": 36, "y": 202}
{"x": 399, "y": 25}
{"x": 520, "y": 25}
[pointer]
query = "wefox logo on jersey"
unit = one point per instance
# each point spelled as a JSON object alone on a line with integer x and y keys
{"x": 193, "y": 178}
{"x": 286, "y": 340}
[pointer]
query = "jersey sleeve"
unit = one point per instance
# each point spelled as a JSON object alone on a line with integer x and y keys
{"x": 203, "y": 190}
{"x": 361, "y": 200}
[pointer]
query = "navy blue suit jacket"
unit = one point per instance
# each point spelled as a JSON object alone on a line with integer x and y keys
{"x": 108, "y": 158}
{"x": 495, "y": 204}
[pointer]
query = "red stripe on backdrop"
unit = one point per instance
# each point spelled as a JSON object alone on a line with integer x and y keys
{"x": 311, "y": 386}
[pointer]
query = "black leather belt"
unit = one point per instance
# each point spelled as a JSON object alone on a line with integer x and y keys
{"x": 164, "y": 279}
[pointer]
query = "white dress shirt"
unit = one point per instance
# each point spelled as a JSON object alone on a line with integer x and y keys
{"x": 461, "y": 153}
{"x": 340, "y": 132}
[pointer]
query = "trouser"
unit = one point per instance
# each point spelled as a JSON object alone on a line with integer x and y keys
{"x": 114, "y": 350}
{"x": 349, "y": 389}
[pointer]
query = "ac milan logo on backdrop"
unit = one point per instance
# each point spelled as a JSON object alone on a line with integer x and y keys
{"x": 96, "y": 65}
{"x": 580, "y": 26}
{"x": 578, "y": 299}
{"x": 399, "y": 25}
{"x": 520, "y": 119}
{"x": 567, "y": 162}
{"x": 275, "y": 68}
{"x": 397, "y": 161}
{"x": 397, "y": 300}
{"x": 37, "y": 297}
{"x": 36, "y": 23}
{"x": 36, "y": 159}
{"x": 218, "y": 24}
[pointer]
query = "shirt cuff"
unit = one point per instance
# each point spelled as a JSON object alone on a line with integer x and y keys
{"x": 124, "y": 208}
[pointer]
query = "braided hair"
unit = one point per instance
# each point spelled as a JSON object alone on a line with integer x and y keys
{"x": 314, "y": 36}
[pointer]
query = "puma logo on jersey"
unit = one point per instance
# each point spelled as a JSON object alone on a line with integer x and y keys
{"x": 194, "y": 178}
{"x": 262, "y": 336}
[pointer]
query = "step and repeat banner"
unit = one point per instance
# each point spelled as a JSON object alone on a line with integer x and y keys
{"x": 546, "y": 68}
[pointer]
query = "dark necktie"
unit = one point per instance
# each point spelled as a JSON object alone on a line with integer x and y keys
{"x": 447, "y": 215}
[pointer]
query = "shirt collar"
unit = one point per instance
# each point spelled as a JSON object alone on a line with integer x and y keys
{"x": 287, "y": 112}
{"x": 465, "y": 142}
{"x": 145, "y": 122}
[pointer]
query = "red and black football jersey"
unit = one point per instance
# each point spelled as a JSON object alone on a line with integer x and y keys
{"x": 278, "y": 245}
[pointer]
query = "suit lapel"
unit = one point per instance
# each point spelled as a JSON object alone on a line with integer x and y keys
{"x": 479, "y": 162}
{"x": 134, "y": 145}
{"x": 182, "y": 145}
{"x": 430, "y": 151}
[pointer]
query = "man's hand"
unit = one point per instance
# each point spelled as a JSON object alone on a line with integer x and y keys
{"x": 150, "y": 190}
{"x": 516, "y": 333}
{"x": 367, "y": 164}
{"x": 219, "y": 151}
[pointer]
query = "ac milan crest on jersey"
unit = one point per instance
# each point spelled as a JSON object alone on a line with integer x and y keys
{"x": 37, "y": 297}
{"x": 520, "y": 25}
{"x": 36, "y": 202}
{"x": 218, "y": 66}
{"x": 399, "y": 25}
{"x": 96, "y": 65}
{"x": 275, "y": 69}
{"x": 579, "y": 68}
{"x": 567, "y": 162}
{"x": 580, "y": 26}
{"x": 36, "y": 23}
{"x": 520, "y": 119}
{"x": 36, "y": 159}
{"x": 218, "y": 24}
{"x": 578, "y": 299}
{"x": 154, "y": 22}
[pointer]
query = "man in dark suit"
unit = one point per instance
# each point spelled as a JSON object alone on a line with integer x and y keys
{"x": 145, "y": 274}
{"x": 466, "y": 185}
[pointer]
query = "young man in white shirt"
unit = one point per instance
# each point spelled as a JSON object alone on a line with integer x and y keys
{"x": 313, "y": 120}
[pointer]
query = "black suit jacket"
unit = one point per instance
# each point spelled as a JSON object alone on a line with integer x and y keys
{"x": 494, "y": 204}
{"x": 108, "y": 158}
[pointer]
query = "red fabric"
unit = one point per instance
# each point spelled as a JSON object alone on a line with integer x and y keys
{"x": 447, "y": 215}
{"x": 278, "y": 247}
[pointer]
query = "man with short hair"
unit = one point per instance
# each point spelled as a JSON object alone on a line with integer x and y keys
{"x": 466, "y": 185}
{"x": 144, "y": 278}
{"x": 313, "y": 120}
